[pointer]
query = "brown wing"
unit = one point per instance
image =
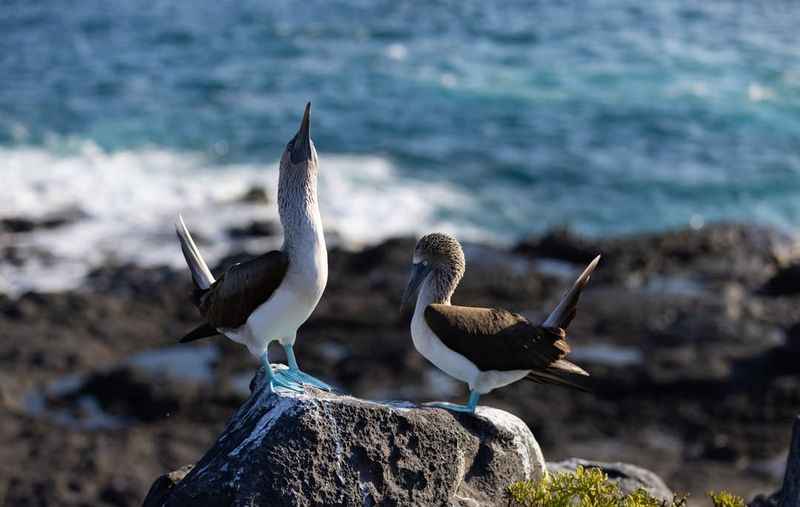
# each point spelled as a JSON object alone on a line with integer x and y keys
{"x": 237, "y": 293}
{"x": 496, "y": 339}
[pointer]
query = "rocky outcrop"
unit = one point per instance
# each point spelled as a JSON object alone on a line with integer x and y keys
{"x": 629, "y": 477}
{"x": 162, "y": 488}
{"x": 791, "y": 481}
{"x": 327, "y": 449}
{"x": 789, "y": 495}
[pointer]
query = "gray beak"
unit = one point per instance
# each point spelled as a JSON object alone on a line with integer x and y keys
{"x": 301, "y": 152}
{"x": 419, "y": 272}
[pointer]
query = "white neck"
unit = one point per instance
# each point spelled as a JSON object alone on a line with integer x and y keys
{"x": 429, "y": 294}
{"x": 299, "y": 213}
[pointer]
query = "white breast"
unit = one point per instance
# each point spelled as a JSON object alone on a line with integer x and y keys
{"x": 278, "y": 318}
{"x": 432, "y": 348}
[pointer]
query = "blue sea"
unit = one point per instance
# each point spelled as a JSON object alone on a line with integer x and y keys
{"x": 490, "y": 120}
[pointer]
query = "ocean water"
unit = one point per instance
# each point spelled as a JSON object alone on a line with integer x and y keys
{"x": 488, "y": 120}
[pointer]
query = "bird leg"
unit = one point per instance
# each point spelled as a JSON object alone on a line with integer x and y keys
{"x": 468, "y": 408}
{"x": 297, "y": 376}
{"x": 277, "y": 384}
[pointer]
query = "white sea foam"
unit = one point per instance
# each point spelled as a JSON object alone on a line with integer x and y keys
{"x": 131, "y": 199}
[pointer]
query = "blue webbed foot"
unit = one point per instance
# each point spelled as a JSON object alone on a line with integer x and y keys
{"x": 452, "y": 407}
{"x": 302, "y": 378}
{"x": 278, "y": 383}
{"x": 468, "y": 408}
{"x": 299, "y": 377}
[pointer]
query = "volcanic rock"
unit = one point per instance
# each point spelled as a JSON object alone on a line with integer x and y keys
{"x": 320, "y": 448}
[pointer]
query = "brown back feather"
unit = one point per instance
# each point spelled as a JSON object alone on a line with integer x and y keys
{"x": 496, "y": 339}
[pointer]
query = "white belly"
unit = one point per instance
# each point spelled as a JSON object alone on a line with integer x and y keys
{"x": 454, "y": 364}
{"x": 278, "y": 318}
{"x": 492, "y": 379}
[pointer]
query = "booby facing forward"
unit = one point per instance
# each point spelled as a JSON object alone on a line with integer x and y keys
{"x": 269, "y": 297}
{"x": 485, "y": 347}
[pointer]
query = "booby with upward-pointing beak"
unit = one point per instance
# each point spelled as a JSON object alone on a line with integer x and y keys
{"x": 269, "y": 297}
{"x": 485, "y": 347}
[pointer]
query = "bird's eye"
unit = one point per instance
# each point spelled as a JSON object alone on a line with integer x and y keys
{"x": 290, "y": 146}
{"x": 424, "y": 263}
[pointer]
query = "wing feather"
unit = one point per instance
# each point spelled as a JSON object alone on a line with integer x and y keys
{"x": 242, "y": 289}
{"x": 496, "y": 339}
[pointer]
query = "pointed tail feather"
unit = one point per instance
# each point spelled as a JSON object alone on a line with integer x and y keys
{"x": 565, "y": 311}
{"x": 546, "y": 377}
{"x": 201, "y": 331}
{"x": 200, "y": 273}
{"x": 563, "y": 365}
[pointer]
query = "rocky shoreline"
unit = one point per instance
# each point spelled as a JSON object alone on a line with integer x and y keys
{"x": 691, "y": 338}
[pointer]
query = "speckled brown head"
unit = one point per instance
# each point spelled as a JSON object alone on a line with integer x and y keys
{"x": 443, "y": 251}
{"x": 439, "y": 256}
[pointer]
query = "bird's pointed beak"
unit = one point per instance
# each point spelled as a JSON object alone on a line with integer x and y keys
{"x": 419, "y": 272}
{"x": 301, "y": 152}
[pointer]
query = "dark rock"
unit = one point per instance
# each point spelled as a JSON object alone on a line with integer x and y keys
{"x": 629, "y": 477}
{"x": 766, "y": 500}
{"x": 49, "y": 221}
{"x": 780, "y": 360}
{"x": 119, "y": 492}
{"x": 255, "y": 229}
{"x": 793, "y": 336}
{"x": 20, "y": 255}
{"x": 163, "y": 486}
{"x": 786, "y": 281}
{"x": 133, "y": 393}
{"x": 255, "y": 195}
{"x": 789, "y": 496}
{"x": 560, "y": 243}
{"x": 791, "y": 481}
{"x": 18, "y": 224}
{"x": 728, "y": 251}
{"x": 395, "y": 251}
{"x": 327, "y": 449}
{"x": 131, "y": 279}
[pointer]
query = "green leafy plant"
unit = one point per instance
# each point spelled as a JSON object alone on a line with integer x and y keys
{"x": 725, "y": 499}
{"x": 592, "y": 488}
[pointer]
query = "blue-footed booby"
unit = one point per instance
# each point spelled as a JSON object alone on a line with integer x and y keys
{"x": 267, "y": 298}
{"x": 485, "y": 347}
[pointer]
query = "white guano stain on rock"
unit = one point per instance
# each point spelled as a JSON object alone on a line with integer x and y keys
{"x": 337, "y": 440}
{"x": 366, "y": 499}
{"x": 462, "y": 467}
{"x": 264, "y": 424}
{"x": 521, "y": 440}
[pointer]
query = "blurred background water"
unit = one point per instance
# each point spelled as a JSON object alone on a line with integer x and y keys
{"x": 488, "y": 120}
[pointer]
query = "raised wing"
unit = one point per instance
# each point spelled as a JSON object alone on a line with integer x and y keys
{"x": 496, "y": 339}
{"x": 237, "y": 293}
